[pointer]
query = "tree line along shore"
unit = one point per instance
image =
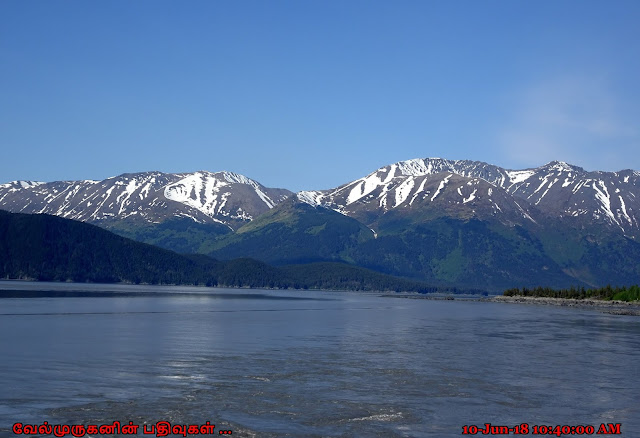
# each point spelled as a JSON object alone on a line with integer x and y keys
{"x": 607, "y": 293}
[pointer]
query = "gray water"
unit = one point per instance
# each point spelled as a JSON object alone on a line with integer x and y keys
{"x": 309, "y": 364}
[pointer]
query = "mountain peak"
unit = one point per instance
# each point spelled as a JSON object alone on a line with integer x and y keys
{"x": 561, "y": 166}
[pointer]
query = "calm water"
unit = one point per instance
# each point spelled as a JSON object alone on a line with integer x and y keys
{"x": 309, "y": 364}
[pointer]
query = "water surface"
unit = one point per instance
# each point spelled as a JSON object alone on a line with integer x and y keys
{"x": 308, "y": 364}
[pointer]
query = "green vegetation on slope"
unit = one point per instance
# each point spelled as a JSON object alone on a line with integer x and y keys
{"x": 466, "y": 253}
{"x": 294, "y": 232}
{"x": 181, "y": 235}
{"x": 594, "y": 255}
{"x": 448, "y": 252}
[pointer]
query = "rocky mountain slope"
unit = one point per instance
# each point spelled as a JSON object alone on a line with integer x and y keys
{"x": 555, "y": 190}
{"x": 150, "y": 197}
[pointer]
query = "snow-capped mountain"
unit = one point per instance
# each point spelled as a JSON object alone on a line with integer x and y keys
{"x": 556, "y": 190}
{"x": 562, "y": 190}
{"x": 441, "y": 193}
{"x": 449, "y": 222}
{"x": 459, "y": 187}
{"x": 204, "y": 197}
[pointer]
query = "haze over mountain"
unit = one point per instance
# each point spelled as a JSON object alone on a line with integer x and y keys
{"x": 464, "y": 223}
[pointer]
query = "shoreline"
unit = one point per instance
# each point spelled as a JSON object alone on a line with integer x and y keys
{"x": 611, "y": 307}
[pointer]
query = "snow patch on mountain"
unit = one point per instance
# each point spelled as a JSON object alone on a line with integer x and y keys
{"x": 20, "y": 184}
{"x": 518, "y": 176}
{"x": 208, "y": 192}
{"x": 471, "y": 197}
{"x": 602, "y": 194}
{"x": 419, "y": 191}
{"x": 310, "y": 197}
{"x": 442, "y": 185}
{"x": 404, "y": 190}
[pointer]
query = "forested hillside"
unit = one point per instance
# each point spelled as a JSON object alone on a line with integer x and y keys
{"x": 50, "y": 248}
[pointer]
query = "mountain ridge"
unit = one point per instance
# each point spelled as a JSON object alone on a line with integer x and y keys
{"x": 450, "y": 222}
{"x": 549, "y": 197}
{"x": 205, "y": 197}
{"x": 609, "y": 197}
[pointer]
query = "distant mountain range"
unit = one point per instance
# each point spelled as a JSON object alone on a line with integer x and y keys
{"x": 457, "y": 223}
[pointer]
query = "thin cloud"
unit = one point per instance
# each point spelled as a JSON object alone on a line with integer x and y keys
{"x": 577, "y": 120}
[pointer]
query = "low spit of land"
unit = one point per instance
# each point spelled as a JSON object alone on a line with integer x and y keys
{"x": 619, "y": 301}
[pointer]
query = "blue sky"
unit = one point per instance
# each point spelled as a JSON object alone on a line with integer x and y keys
{"x": 312, "y": 94}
